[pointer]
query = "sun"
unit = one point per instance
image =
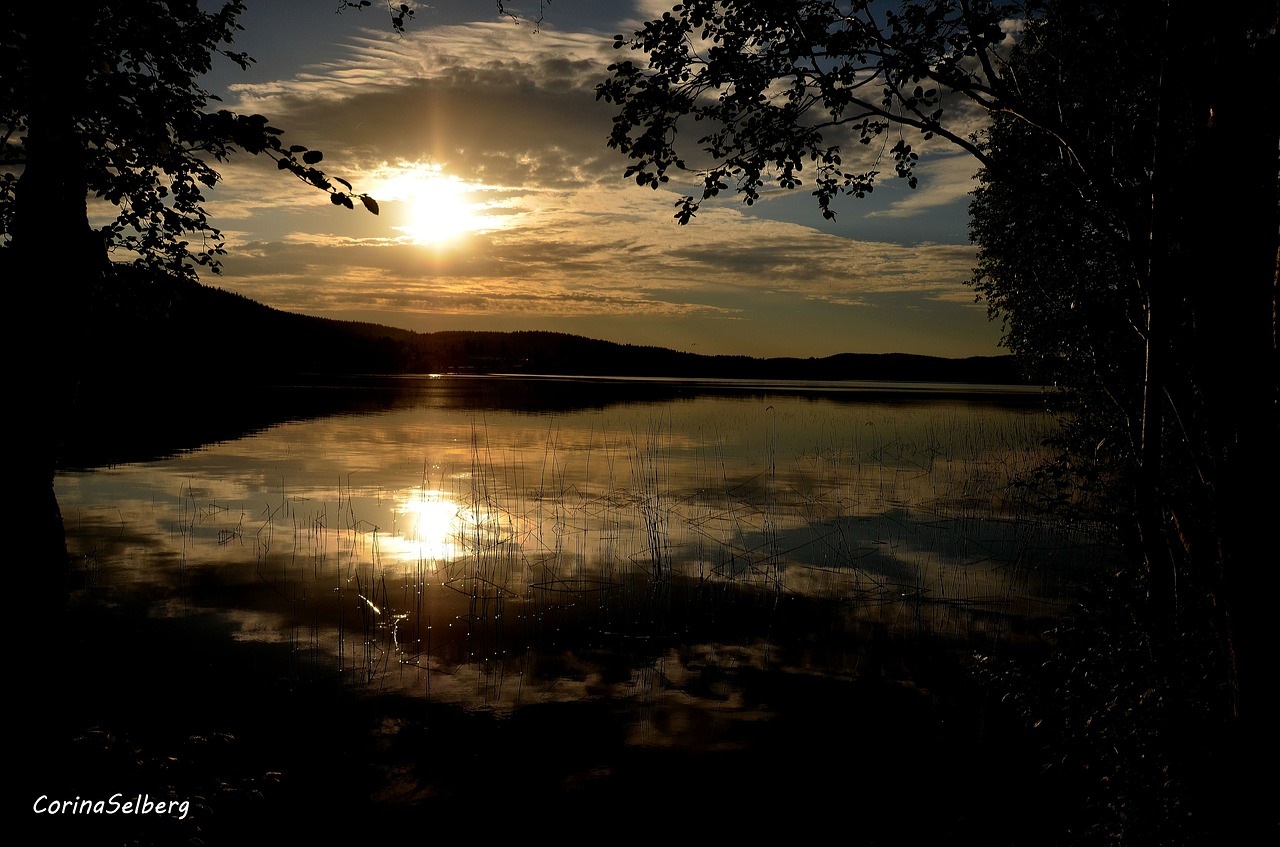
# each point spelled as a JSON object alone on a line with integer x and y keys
{"x": 438, "y": 208}
{"x": 441, "y": 211}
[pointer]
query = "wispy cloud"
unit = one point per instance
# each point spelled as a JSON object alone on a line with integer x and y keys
{"x": 512, "y": 113}
{"x": 945, "y": 179}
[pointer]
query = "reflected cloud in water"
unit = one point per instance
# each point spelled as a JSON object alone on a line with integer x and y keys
{"x": 492, "y": 556}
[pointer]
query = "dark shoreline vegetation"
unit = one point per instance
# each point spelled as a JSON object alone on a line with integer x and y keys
{"x": 194, "y": 329}
{"x": 160, "y": 349}
{"x": 922, "y": 751}
{"x": 909, "y": 745}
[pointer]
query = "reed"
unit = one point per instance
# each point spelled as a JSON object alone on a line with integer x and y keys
{"x": 562, "y": 553}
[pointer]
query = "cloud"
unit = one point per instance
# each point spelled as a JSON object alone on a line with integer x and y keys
{"x": 945, "y": 179}
{"x": 492, "y": 102}
{"x": 513, "y": 114}
{"x": 596, "y": 251}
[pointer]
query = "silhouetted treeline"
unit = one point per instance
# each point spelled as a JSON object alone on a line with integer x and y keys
{"x": 560, "y": 353}
{"x": 188, "y": 332}
{"x": 173, "y": 364}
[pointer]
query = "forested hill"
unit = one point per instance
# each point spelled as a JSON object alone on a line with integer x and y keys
{"x": 174, "y": 327}
{"x": 559, "y": 353}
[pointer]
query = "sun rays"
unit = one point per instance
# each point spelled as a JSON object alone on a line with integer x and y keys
{"x": 436, "y": 208}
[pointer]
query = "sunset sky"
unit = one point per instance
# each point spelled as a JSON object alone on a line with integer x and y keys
{"x": 502, "y": 207}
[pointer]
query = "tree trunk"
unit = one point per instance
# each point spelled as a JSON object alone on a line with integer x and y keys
{"x": 1213, "y": 387}
{"x": 55, "y": 259}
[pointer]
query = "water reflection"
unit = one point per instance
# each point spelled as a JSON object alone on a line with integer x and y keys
{"x": 491, "y": 556}
{"x": 427, "y": 522}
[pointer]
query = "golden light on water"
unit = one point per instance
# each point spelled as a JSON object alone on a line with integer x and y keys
{"x": 428, "y": 522}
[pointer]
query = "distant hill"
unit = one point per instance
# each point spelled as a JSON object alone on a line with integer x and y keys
{"x": 171, "y": 365}
{"x": 177, "y": 329}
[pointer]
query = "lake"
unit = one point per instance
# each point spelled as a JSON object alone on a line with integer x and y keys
{"x": 685, "y": 568}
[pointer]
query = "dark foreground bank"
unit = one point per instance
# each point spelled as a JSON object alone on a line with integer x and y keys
{"x": 908, "y": 748}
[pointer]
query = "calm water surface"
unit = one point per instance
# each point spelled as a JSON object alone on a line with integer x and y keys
{"x": 497, "y": 542}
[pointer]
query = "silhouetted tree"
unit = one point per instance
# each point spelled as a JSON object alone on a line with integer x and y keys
{"x": 106, "y": 100}
{"x": 1148, "y": 291}
{"x": 1127, "y": 225}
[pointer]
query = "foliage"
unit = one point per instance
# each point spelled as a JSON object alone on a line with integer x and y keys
{"x": 1133, "y": 746}
{"x": 112, "y": 99}
{"x": 776, "y": 83}
{"x": 399, "y": 12}
{"x": 1097, "y": 272}
{"x": 1123, "y": 255}
{"x": 1066, "y": 304}
{"x": 1055, "y": 261}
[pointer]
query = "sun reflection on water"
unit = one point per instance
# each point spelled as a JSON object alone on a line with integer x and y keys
{"x": 428, "y": 521}
{"x": 506, "y": 548}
